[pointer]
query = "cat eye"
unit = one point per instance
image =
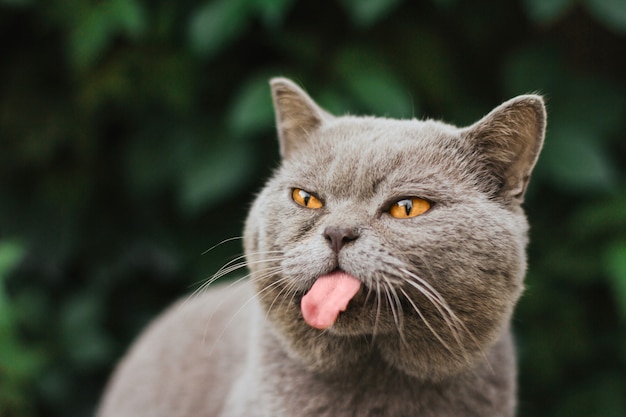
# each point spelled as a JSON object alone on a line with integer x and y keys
{"x": 306, "y": 199}
{"x": 409, "y": 207}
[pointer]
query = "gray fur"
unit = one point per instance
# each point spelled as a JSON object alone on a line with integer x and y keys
{"x": 427, "y": 335}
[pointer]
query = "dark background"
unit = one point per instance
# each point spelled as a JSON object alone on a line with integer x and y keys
{"x": 134, "y": 133}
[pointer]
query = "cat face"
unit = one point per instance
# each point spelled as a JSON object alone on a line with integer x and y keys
{"x": 425, "y": 216}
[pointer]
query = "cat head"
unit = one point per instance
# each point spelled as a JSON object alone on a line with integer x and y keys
{"x": 425, "y": 216}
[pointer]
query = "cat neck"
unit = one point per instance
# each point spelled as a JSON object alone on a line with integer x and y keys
{"x": 370, "y": 386}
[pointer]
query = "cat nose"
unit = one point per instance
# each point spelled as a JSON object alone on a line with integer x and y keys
{"x": 337, "y": 236}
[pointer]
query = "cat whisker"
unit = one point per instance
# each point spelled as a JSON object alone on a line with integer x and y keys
{"x": 446, "y": 306}
{"x": 436, "y": 293}
{"x": 378, "y": 308}
{"x": 393, "y": 298}
{"x": 393, "y": 310}
{"x": 435, "y": 298}
{"x": 230, "y": 239}
{"x": 227, "y": 269}
{"x": 426, "y": 322}
{"x": 444, "y": 309}
{"x": 433, "y": 295}
{"x": 443, "y": 313}
{"x": 287, "y": 288}
{"x": 295, "y": 292}
{"x": 232, "y": 318}
{"x": 231, "y": 267}
{"x": 216, "y": 276}
{"x": 266, "y": 273}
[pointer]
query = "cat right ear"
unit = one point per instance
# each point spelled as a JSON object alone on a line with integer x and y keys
{"x": 297, "y": 115}
{"x": 509, "y": 140}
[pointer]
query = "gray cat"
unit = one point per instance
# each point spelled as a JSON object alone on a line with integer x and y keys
{"x": 386, "y": 257}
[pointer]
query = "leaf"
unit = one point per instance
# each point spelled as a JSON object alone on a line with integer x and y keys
{"x": 153, "y": 158}
{"x": 216, "y": 174}
{"x": 610, "y": 12}
{"x": 80, "y": 321}
{"x": 273, "y": 12}
{"x": 615, "y": 263}
{"x": 129, "y": 17}
{"x": 216, "y": 24}
{"x": 575, "y": 161}
{"x": 547, "y": 11}
{"x": 594, "y": 106}
{"x": 97, "y": 29}
{"x": 599, "y": 394}
{"x": 251, "y": 110}
{"x": 365, "y": 13}
{"x": 534, "y": 68}
{"x": 10, "y": 254}
{"x": 19, "y": 363}
{"x": 380, "y": 93}
{"x": 90, "y": 38}
{"x": 594, "y": 220}
{"x": 374, "y": 86}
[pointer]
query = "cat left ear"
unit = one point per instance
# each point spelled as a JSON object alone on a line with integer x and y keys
{"x": 509, "y": 140}
{"x": 297, "y": 115}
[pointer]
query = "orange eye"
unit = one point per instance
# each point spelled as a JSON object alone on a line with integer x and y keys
{"x": 306, "y": 199}
{"x": 409, "y": 207}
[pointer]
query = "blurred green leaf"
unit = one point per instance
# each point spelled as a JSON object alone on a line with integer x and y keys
{"x": 588, "y": 104}
{"x": 595, "y": 220}
{"x": 376, "y": 88}
{"x": 615, "y": 258}
{"x": 217, "y": 23}
{"x": 601, "y": 396}
{"x": 10, "y": 254}
{"x": 576, "y": 161}
{"x": 216, "y": 174}
{"x": 18, "y": 364}
{"x": 533, "y": 68}
{"x": 252, "y": 109}
{"x": 273, "y": 12}
{"x": 545, "y": 11}
{"x": 334, "y": 102}
{"x": 81, "y": 330}
{"x": 382, "y": 94}
{"x": 130, "y": 16}
{"x": 155, "y": 157}
{"x": 365, "y": 13}
{"x": 90, "y": 38}
{"x": 95, "y": 31}
{"x": 610, "y": 12}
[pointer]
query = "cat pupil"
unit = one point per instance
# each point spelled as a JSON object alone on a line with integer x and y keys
{"x": 408, "y": 206}
{"x": 306, "y": 197}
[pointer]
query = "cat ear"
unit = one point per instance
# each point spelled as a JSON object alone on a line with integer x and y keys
{"x": 297, "y": 115}
{"x": 509, "y": 140}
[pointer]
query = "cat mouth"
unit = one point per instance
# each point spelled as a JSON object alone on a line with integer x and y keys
{"x": 328, "y": 297}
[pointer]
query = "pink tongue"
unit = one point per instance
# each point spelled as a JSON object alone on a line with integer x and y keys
{"x": 328, "y": 296}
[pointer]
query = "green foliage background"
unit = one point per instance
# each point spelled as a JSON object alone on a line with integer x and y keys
{"x": 134, "y": 133}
